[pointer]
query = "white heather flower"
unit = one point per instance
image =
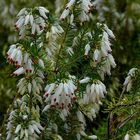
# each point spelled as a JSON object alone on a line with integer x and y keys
{"x": 127, "y": 85}
{"x": 38, "y": 29}
{"x": 19, "y": 129}
{"x": 31, "y": 19}
{"x": 41, "y": 22}
{"x": 27, "y": 19}
{"x": 33, "y": 29}
{"x": 64, "y": 14}
{"x": 105, "y": 68}
{"x": 105, "y": 57}
{"x": 111, "y": 60}
{"x": 29, "y": 67}
{"x": 19, "y": 71}
{"x": 20, "y": 23}
{"x": 11, "y": 49}
{"x": 96, "y": 55}
{"x": 36, "y": 22}
{"x": 132, "y": 72}
{"x": 105, "y": 44}
{"x": 18, "y": 58}
{"x": 22, "y": 83}
{"x": 14, "y": 55}
{"x": 49, "y": 89}
{"x": 85, "y": 80}
{"x": 85, "y": 6}
{"x": 43, "y": 11}
{"x": 95, "y": 92}
{"x": 87, "y": 49}
{"x": 136, "y": 137}
{"x": 67, "y": 9}
{"x": 60, "y": 95}
{"x": 127, "y": 137}
{"x": 71, "y": 2}
{"x": 109, "y": 32}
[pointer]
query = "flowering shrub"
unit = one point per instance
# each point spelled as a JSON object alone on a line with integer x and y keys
{"x": 61, "y": 62}
{"x": 45, "y": 41}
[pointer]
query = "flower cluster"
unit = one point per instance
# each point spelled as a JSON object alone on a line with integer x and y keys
{"x": 102, "y": 53}
{"x": 28, "y": 17}
{"x": 51, "y": 36}
{"x": 105, "y": 52}
{"x": 32, "y": 85}
{"x": 22, "y": 124}
{"x": 82, "y": 125}
{"x": 60, "y": 94}
{"x": 14, "y": 55}
{"x": 21, "y": 59}
{"x": 95, "y": 92}
{"x": 24, "y": 120}
{"x": 92, "y": 97}
{"x": 85, "y": 7}
{"x": 127, "y": 85}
